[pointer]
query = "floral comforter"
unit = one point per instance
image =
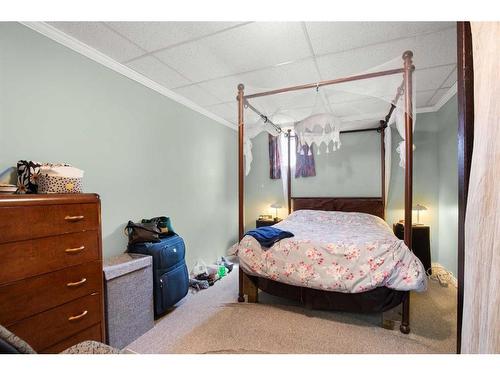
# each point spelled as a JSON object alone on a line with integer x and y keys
{"x": 346, "y": 252}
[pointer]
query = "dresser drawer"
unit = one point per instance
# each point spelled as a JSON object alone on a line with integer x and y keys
{"x": 22, "y": 223}
{"x": 93, "y": 333}
{"x": 27, "y": 297}
{"x": 23, "y": 259}
{"x": 46, "y": 329}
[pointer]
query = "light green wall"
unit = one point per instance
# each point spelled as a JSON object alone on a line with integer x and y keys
{"x": 435, "y": 181}
{"x": 425, "y": 178}
{"x": 448, "y": 184}
{"x": 354, "y": 170}
{"x": 145, "y": 154}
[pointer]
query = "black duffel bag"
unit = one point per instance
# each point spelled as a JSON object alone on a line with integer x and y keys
{"x": 142, "y": 232}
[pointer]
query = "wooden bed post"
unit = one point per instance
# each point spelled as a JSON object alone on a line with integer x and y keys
{"x": 408, "y": 71}
{"x": 382, "y": 162}
{"x": 241, "y": 182}
{"x": 289, "y": 175}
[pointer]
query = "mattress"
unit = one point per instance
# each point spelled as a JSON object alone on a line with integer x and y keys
{"x": 347, "y": 252}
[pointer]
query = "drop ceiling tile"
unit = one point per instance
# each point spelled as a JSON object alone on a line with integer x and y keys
{"x": 451, "y": 80}
{"x": 328, "y": 37}
{"x": 428, "y": 50}
{"x": 158, "y": 72}
{"x": 362, "y": 107}
{"x": 262, "y": 80}
{"x": 250, "y": 47}
{"x": 437, "y": 97}
{"x": 100, "y": 37}
{"x": 155, "y": 35}
{"x": 197, "y": 95}
{"x": 428, "y": 79}
{"x": 423, "y": 98}
{"x": 285, "y": 101}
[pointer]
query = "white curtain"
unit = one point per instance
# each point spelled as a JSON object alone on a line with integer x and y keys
{"x": 481, "y": 314}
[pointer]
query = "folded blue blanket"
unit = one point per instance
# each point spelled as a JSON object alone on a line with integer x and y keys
{"x": 267, "y": 236}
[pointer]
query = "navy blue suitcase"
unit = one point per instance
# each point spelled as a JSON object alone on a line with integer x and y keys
{"x": 170, "y": 274}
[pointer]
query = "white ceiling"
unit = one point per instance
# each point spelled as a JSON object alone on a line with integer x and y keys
{"x": 205, "y": 61}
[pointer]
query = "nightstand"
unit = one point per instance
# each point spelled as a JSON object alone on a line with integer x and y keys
{"x": 420, "y": 242}
{"x": 265, "y": 223}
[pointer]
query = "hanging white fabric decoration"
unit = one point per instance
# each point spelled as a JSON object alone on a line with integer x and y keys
{"x": 399, "y": 116}
{"x": 251, "y": 131}
{"x": 321, "y": 127}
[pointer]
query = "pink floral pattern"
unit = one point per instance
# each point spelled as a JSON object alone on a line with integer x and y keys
{"x": 346, "y": 252}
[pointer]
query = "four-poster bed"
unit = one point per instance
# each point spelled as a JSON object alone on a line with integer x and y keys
{"x": 376, "y": 300}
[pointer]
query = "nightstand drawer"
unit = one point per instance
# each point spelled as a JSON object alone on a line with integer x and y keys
{"x": 51, "y": 327}
{"x": 22, "y": 299}
{"x": 22, "y": 223}
{"x": 34, "y": 257}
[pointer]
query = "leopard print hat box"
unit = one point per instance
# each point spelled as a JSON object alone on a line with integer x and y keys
{"x": 60, "y": 179}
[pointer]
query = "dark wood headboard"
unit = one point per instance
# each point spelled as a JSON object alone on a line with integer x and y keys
{"x": 373, "y": 206}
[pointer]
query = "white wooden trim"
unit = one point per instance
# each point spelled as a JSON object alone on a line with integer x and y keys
{"x": 93, "y": 54}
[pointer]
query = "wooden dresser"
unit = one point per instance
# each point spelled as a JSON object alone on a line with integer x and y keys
{"x": 51, "y": 285}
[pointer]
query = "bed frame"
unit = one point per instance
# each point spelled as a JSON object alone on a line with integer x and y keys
{"x": 377, "y": 300}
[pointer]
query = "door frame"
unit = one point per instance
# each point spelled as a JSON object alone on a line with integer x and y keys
{"x": 465, "y": 98}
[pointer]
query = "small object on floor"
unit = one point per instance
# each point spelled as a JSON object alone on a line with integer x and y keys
{"x": 227, "y": 263}
{"x": 202, "y": 276}
{"x": 198, "y": 284}
{"x": 222, "y": 271}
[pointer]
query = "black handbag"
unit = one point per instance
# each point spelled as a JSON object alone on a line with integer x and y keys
{"x": 163, "y": 223}
{"x": 142, "y": 232}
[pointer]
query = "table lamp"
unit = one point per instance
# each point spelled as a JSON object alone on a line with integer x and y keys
{"x": 276, "y": 206}
{"x": 418, "y": 208}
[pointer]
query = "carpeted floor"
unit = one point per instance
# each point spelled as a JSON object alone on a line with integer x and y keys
{"x": 211, "y": 321}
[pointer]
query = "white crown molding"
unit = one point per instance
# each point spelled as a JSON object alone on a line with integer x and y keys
{"x": 444, "y": 99}
{"x": 93, "y": 54}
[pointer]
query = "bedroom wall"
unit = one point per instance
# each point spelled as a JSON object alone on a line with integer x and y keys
{"x": 448, "y": 185}
{"x": 145, "y": 154}
{"x": 354, "y": 170}
{"x": 425, "y": 179}
{"x": 435, "y": 181}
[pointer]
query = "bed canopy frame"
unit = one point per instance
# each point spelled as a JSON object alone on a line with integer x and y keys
{"x": 374, "y": 206}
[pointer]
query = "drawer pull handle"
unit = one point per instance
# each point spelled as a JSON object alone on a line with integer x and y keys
{"x": 76, "y": 317}
{"x": 74, "y": 218}
{"x": 82, "y": 281}
{"x": 75, "y": 250}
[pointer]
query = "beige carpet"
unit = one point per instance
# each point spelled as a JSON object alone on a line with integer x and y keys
{"x": 210, "y": 322}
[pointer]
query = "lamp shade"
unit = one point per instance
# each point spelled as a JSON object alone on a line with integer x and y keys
{"x": 276, "y": 205}
{"x": 419, "y": 207}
